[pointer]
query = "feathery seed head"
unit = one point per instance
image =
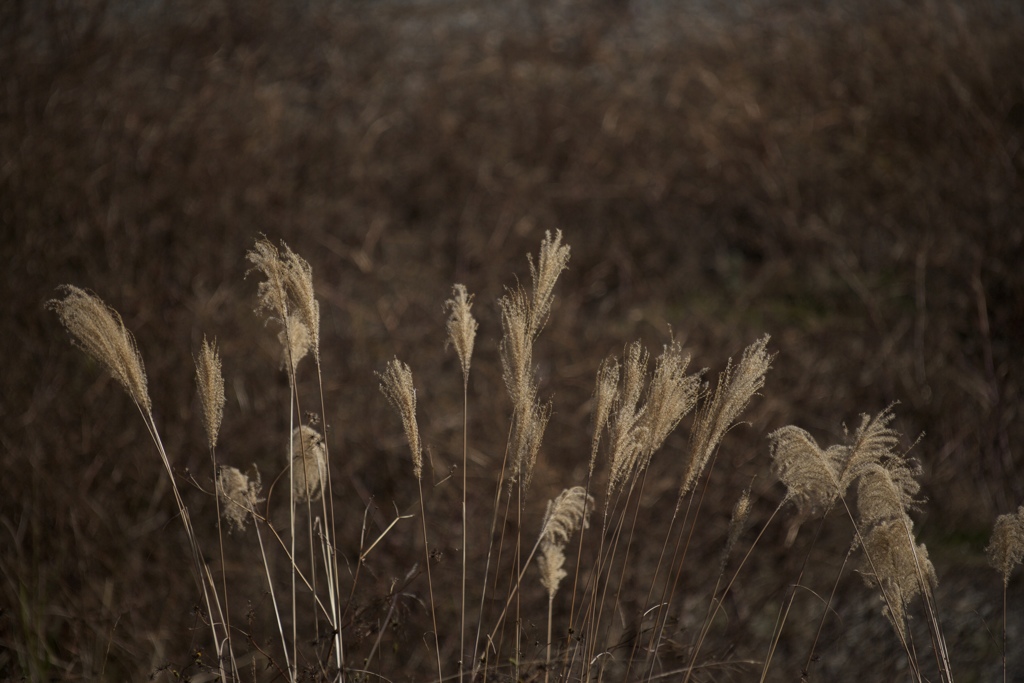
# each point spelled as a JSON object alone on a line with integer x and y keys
{"x": 627, "y": 431}
{"x": 288, "y": 297}
{"x": 530, "y": 418}
{"x": 569, "y": 511}
{"x": 736, "y": 386}
{"x": 309, "y": 462}
{"x": 671, "y": 395}
{"x": 886, "y": 491}
{"x": 295, "y": 341}
{"x": 551, "y": 562}
{"x": 100, "y": 332}
{"x": 298, "y": 282}
{"x": 238, "y": 495}
{"x": 633, "y": 376}
{"x": 462, "y": 326}
{"x": 872, "y": 443}
{"x": 903, "y": 568}
{"x": 606, "y": 391}
{"x": 522, "y": 319}
{"x": 1006, "y": 547}
{"x": 738, "y": 522}
{"x": 211, "y": 389}
{"x": 529, "y": 443}
{"x": 554, "y": 258}
{"x": 527, "y": 435}
{"x": 396, "y": 384}
{"x": 271, "y": 295}
{"x": 517, "y": 349}
{"x": 816, "y": 478}
{"x": 808, "y": 473}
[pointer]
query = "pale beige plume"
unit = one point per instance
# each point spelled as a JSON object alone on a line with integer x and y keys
{"x": 210, "y": 381}
{"x": 100, "y": 332}
{"x": 396, "y": 384}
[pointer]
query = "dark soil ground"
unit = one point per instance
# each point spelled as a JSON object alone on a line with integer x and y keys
{"x": 847, "y": 179}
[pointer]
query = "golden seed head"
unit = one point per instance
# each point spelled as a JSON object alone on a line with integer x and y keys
{"x": 396, "y": 384}
{"x": 605, "y": 392}
{"x": 298, "y": 281}
{"x": 807, "y": 471}
{"x": 210, "y": 381}
{"x": 671, "y": 395}
{"x": 627, "y": 430}
{"x": 238, "y": 495}
{"x": 736, "y": 386}
{"x": 551, "y": 561}
{"x": 1006, "y": 548}
{"x": 567, "y": 513}
{"x": 898, "y": 566}
{"x": 309, "y": 462}
{"x": 287, "y": 295}
{"x": 462, "y": 326}
{"x": 100, "y": 332}
{"x": 271, "y": 295}
{"x": 295, "y": 341}
{"x": 553, "y": 259}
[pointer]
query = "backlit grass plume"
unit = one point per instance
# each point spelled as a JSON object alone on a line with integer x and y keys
{"x": 298, "y": 282}
{"x": 238, "y": 494}
{"x": 1005, "y": 550}
{"x": 309, "y": 462}
{"x": 523, "y": 316}
{"x": 565, "y": 515}
{"x": 736, "y": 386}
{"x": 287, "y": 296}
{"x": 1006, "y": 547}
{"x": 671, "y": 395}
{"x": 462, "y": 326}
{"x": 605, "y": 392}
{"x": 100, "y": 332}
{"x": 396, "y": 384}
{"x": 892, "y": 561}
{"x": 737, "y": 524}
{"x": 887, "y": 491}
{"x": 553, "y": 259}
{"x": 627, "y": 432}
{"x": 271, "y": 295}
{"x": 898, "y": 567}
{"x": 568, "y": 513}
{"x": 806, "y": 470}
{"x": 211, "y": 389}
{"x": 295, "y": 341}
{"x": 816, "y": 478}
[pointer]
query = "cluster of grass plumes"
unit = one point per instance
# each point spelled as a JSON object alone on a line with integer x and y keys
{"x": 893, "y": 562}
{"x": 638, "y": 408}
{"x": 845, "y": 177}
{"x": 637, "y": 430}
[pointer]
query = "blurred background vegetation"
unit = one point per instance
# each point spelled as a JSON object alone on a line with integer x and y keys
{"x": 844, "y": 176}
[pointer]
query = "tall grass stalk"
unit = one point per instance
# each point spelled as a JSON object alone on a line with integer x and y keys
{"x": 101, "y": 333}
{"x": 462, "y": 327}
{"x": 397, "y": 386}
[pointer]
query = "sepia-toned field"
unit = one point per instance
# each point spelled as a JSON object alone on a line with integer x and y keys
{"x": 825, "y": 197}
